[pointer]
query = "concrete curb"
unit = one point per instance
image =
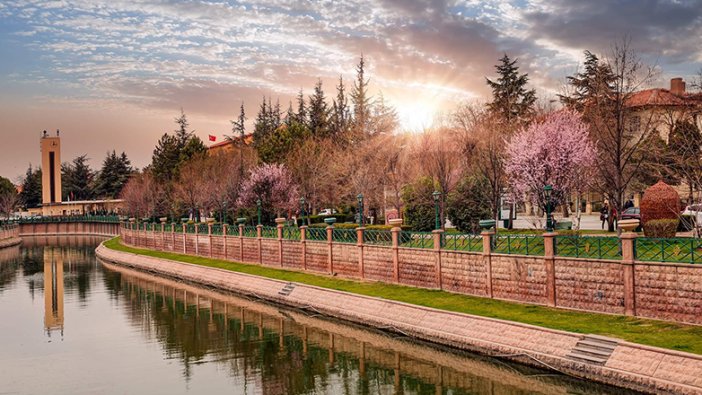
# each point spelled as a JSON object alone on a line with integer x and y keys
{"x": 634, "y": 366}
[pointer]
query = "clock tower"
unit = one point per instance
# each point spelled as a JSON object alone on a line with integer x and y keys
{"x": 50, "y": 169}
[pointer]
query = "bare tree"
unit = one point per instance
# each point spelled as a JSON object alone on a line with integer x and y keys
{"x": 8, "y": 203}
{"x": 311, "y": 165}
{"x": 143, "y": 196}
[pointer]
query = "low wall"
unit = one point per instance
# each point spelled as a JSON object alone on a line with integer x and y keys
{"x": 9, "y": 235}
{"x": 630, "y": 365}
{"x": 646, "y": 289}
{"x": 69, "y": 228}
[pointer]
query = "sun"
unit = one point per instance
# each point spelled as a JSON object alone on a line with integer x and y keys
{"x": 416, "y": 115}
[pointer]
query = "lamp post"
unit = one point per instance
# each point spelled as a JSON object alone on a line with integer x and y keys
{"x": 258, "y": 210}
{"x": 302, "y": 210}
{"x": 360, "y": 209}
{"x": 224, "y": 213}
{"x": 548, "y": 191}
{"x": 437, "y": 221}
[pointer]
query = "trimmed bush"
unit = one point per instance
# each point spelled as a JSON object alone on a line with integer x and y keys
{"x": 659, "y": 202}
{"x": 661, "y": 228}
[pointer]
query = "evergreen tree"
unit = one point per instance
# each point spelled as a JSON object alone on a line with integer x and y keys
{"x": 593, "y": 85}
{"x": 511, "y": 101}
{"x": 340, "y": 113}
{"x": 114, "y": 174}
{"x": 30, "y": 196}
{"x": 77, "y": 179}
{"x": 419, "y": 205}
{"x": 173, "y": 150}
{"x": 361, "y": 102}
{"x": 319, "y": 113}
{"x": 301, "y": 115}
{"x": 289, "y": 115}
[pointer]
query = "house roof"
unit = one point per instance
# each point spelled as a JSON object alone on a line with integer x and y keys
{"x": 248, "y": 139}
{"x": 657, "y": 97}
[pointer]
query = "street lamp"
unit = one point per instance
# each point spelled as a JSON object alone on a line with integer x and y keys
{"x": 258, "y": 210}
{"x": 224, "y": 213}
{"x": 360, "y": 209}
{"x": 302, "y": 210}
{"x": 548, "y": 191}
{"x": 437, "y": 221}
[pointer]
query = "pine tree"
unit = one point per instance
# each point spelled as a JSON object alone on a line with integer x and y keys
{"x": 182, "y": 133}
{"x": 361, "y": 102}
{"x": 30, "y": 196}
{"x": 289, "y": 115}
{"x": 319, "y": 113}
{"x": 77, "y": 178}
{"x": 173, "y": 150}
{"x": 511, "y": 101}
{"x": 301, "y": 115}
{"x": 113, "y": 175}
{"x": 340, "y": 113}
{"x": 591, "y": 87}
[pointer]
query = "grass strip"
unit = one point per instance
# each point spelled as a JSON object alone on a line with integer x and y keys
{"x": 656, "y": 333}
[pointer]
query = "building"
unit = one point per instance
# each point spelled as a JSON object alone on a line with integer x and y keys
{"x": 229, "y": 145}
{"x": 52, "y": 199}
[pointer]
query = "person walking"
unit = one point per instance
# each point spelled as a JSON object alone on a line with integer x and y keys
{"x": 604, "y": 213}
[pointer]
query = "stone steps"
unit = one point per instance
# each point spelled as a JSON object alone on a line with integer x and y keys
{"x": 287, "y": 289}
{"x": 593, "y": 349}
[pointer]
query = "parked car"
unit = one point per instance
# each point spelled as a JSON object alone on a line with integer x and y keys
{"x": 327, "y": 211}
{"x": 692, "y": 217}
{"x": 632, "y": 213}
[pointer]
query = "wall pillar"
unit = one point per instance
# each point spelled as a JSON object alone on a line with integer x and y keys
{"x": 395, "y": 232}
{"x": 303, "y": 242}
{"x": 163, "y": 236}
{"x": 241, "y": 243}
{"x": 197, "y": 239}
{"x": 330, "y": 248}
{"x": 628, "y": 240}
{"x": 173, "y": 225}
{"x": 359, "y": 245}
{"x": 224, "y": 240}
{"x": 550, "y": 263}
{"x": 185, "y": 250}
{"x": 438, "y": 236}
{"x": 259, "y": 235}
{"x": 209, "y": 237}
{"x": 280, "y": 223}
{"x": 487, "y": 252}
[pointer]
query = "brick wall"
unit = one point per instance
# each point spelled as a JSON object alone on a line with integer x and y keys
{"x": 659, "y": 290}
{"x": 588, "y": 285}
{"x": 520, "y": 278}
{"x": 464, "y": 273}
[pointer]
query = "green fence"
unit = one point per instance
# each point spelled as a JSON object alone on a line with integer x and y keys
{"x": 416, "y": 239}
{"x": 676, "y": 250}
{"x": 269, "y": 232}
{"x": 588, "y": 247}
{"x": 319, "y": 234}
{"x": 250, "y": 231}
{"x": 345, "y": 236}
{"x": 377, "y": 237}
{"x": 217, "y": 229}
{"x": 111, "y": 219}
{"x": 463, "y": 242}
{"x": 518, "y": 245}
{"x": 291, "y": 233}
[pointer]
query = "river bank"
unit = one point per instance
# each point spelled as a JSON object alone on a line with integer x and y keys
{"x": 612, "y": 361}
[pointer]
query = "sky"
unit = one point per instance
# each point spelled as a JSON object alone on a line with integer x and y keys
{"x": 114, "y": 74}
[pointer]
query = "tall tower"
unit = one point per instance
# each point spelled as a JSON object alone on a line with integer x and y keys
{"x": 50, "y": 169}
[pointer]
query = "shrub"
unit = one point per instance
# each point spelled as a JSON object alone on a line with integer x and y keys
{"x": 419, "y": 204}
{"x": 469, "y": 203}
{"x": 659, "y": 202}
{"x": 662, "y": 228}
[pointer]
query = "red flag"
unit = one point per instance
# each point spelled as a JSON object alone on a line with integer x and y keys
{"x": 212, "y": 138}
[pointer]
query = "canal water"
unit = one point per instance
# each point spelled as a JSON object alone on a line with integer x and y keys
{"x": 72, "y": 325}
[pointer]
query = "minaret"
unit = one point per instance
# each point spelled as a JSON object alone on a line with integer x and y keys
{"x": 50, "y": 169}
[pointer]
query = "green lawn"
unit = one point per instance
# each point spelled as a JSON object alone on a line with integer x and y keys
{"x": 651, "y": 332}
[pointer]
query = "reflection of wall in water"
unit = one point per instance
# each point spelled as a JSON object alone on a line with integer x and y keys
{"x": 53, "y": 290}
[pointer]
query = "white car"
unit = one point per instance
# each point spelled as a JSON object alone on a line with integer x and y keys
{"x": 327, "y": 211}
{"x": 695, "y": 211}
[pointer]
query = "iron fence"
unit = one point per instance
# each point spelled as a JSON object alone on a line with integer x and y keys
{"x": 316, "y": 234}
{"x": 676, "y": 250}
{"x": 269, "y": 232}
{"x": 291, "y": 233}
{"x": 344, "y": 235}
{"x": 377, "y": 237}
{"x": 463, "y": 242}
{"x": 250, "y": 231}
{"x": 416, "y": 239}
{"x": 518, "y": 245}
{"x": 596, "y": 247}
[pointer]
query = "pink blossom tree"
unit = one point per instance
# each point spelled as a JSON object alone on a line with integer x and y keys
{"x": 274, "y": 186}
{"x": 556, "y": 151}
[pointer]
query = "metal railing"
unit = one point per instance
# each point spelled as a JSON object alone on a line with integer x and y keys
{"x": 596, "y": 247}
{"x": 291, "y": 233}
{"x": 269, "y": 232}
{"x": 250, "y": 231}
{"x": 344, "y": 235}
{"x": 675, "y": 250}
{"x": 377, "y": 237}
{"x": 111, "y": 219}
{"x": 416, "y": 239}
{"x": 463, "y": 242}
{"x": 518, "y": 245}
{"x": 319, "y": 234}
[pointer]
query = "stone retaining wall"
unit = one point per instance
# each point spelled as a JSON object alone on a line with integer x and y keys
{"x": 9, "y": 235}
{"x": 646, "y": 289}
{"x": 633, "y": 366}
{"x": 69, "y": 228}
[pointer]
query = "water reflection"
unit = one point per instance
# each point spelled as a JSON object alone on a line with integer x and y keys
{"x": 283, "y": 351}
{"x": 108, "y": 329}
